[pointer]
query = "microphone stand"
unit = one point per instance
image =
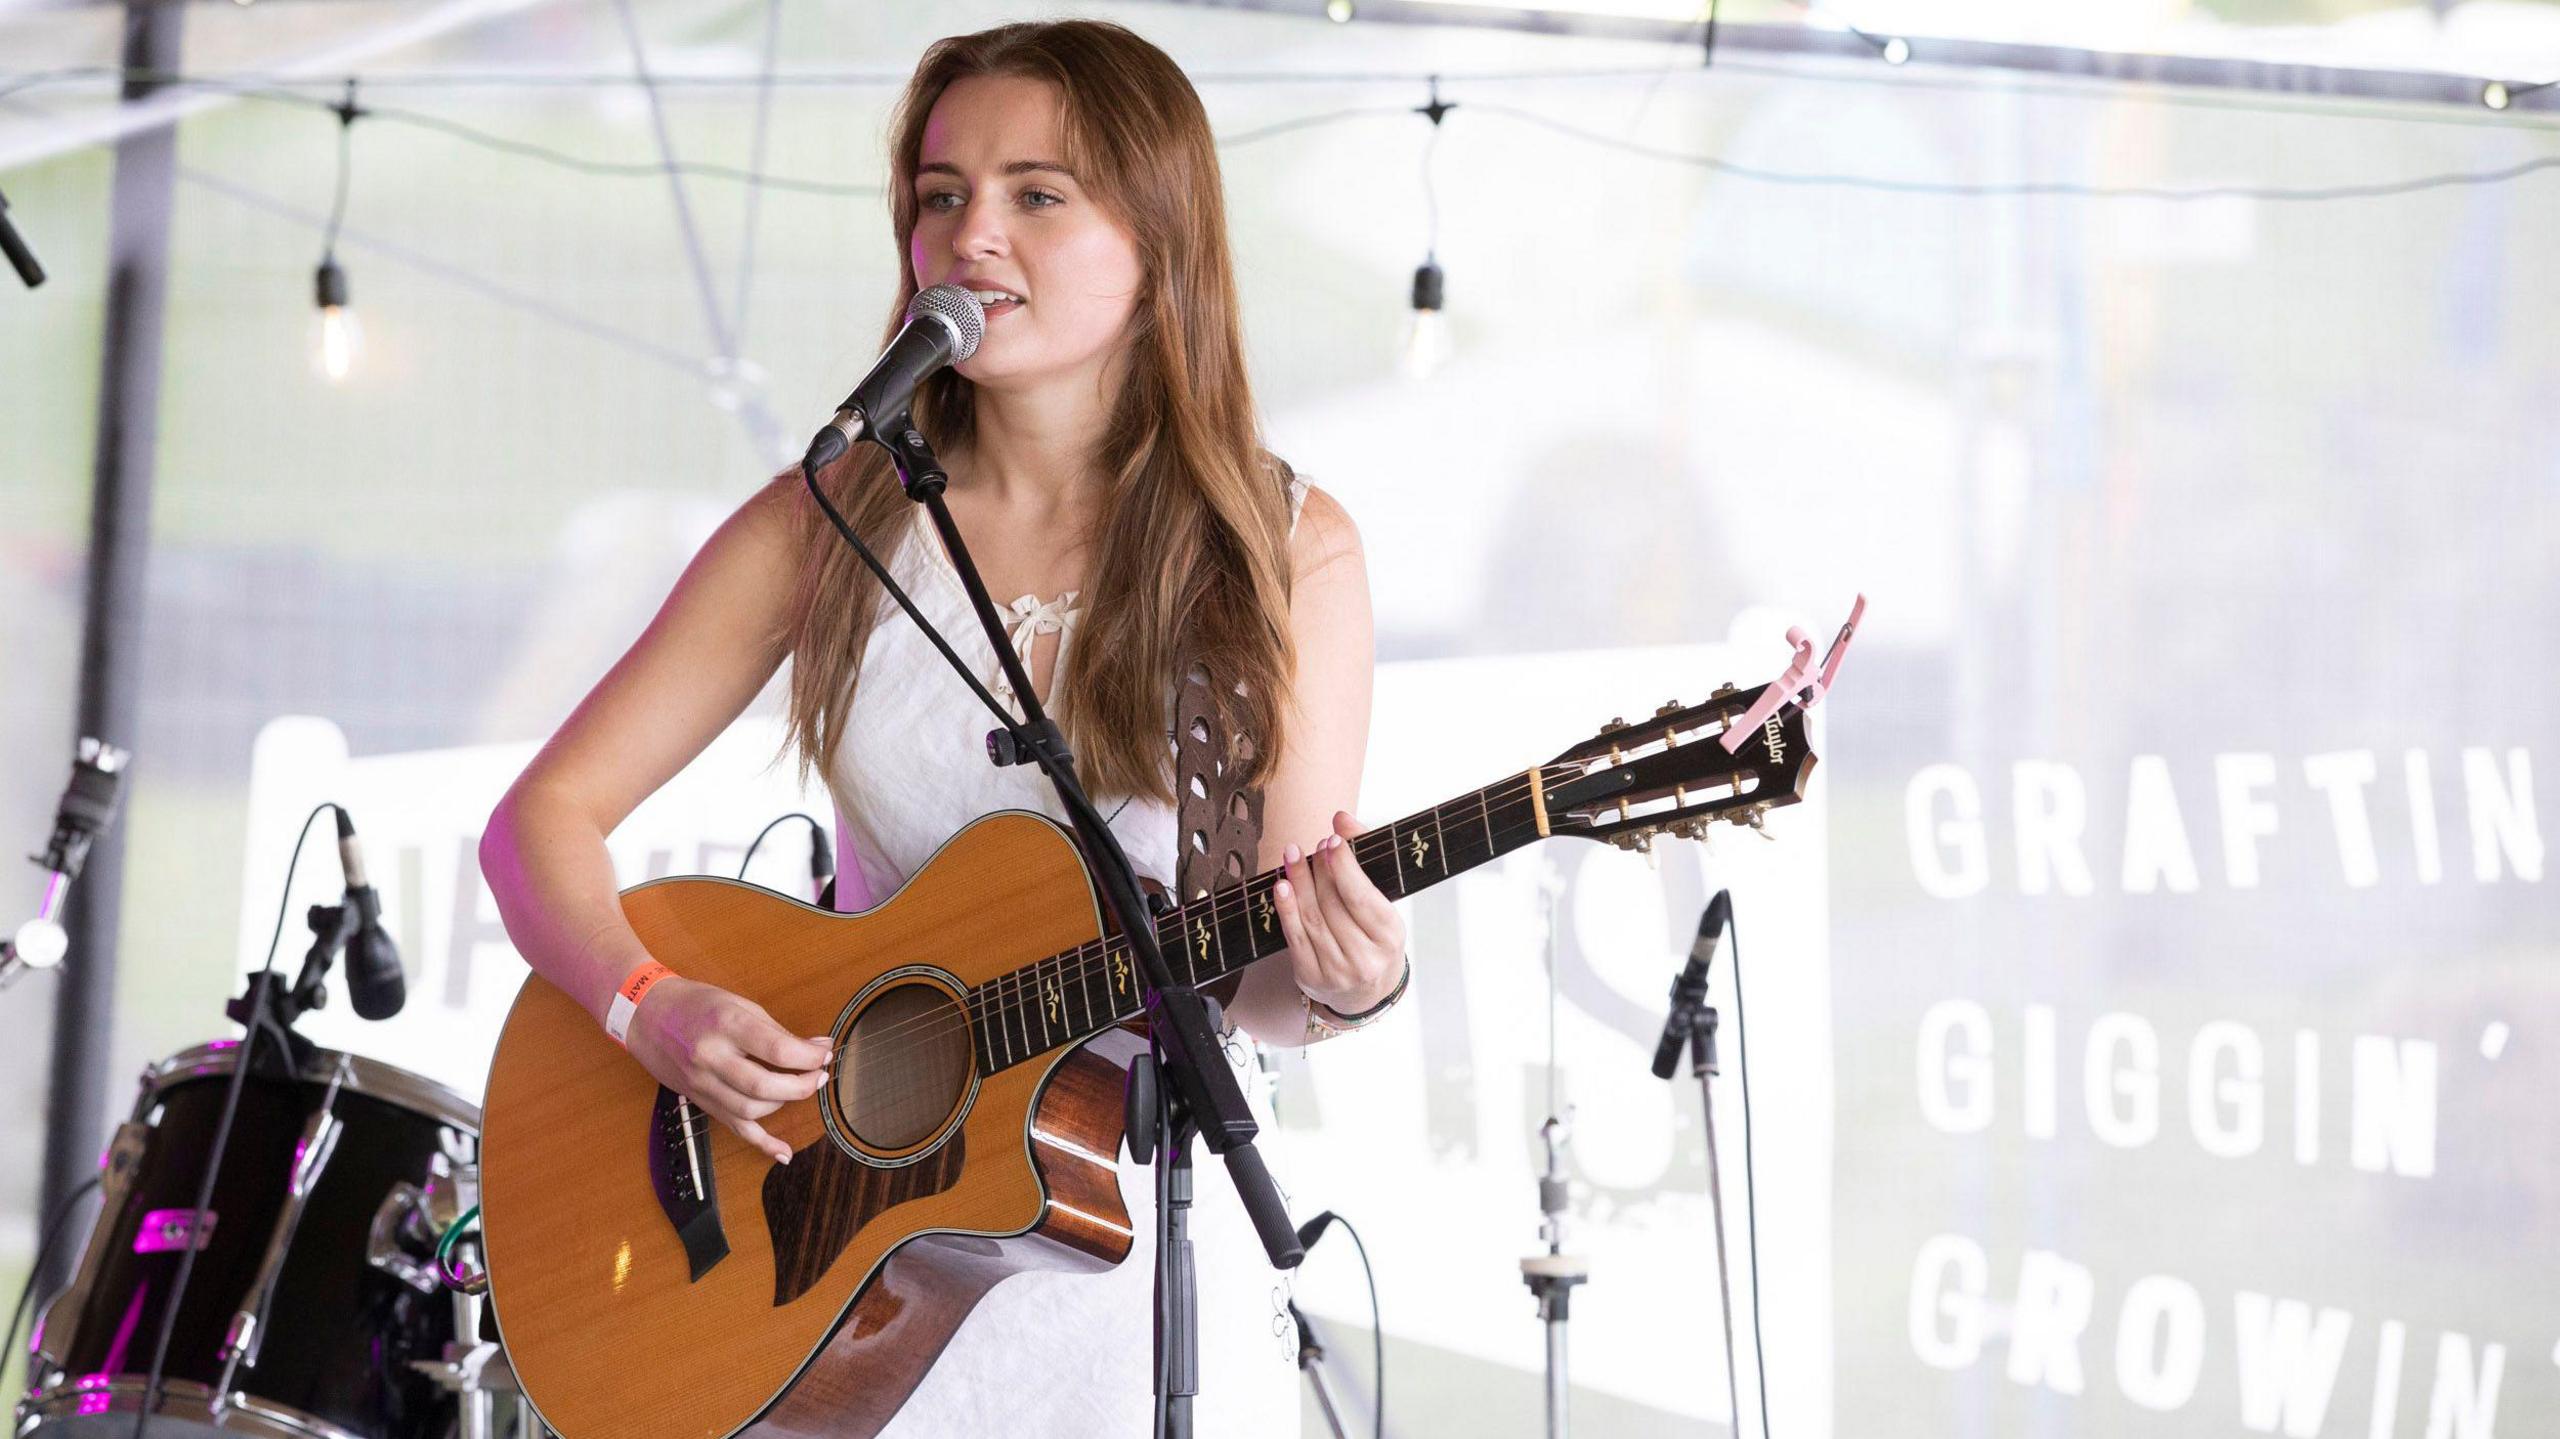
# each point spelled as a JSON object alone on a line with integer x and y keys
{"x": 1693, "y": 1017}
{"x": 1203, "y": 1095}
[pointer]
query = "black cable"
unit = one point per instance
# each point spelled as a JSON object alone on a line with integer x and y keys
{"x": 1377, "y": 1333}
{"x": 44, "y": 1251}
{"x": 898, "y": 593}
{"x": 816, "y": 832}
{"x": 1164, "y": 1225}
{"x": 347, "y": 116}
{"x": 1750, "y": 1192}
{"x": 241, "y": 1058}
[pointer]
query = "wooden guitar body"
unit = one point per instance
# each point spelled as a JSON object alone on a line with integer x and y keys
{"x": 847, "y": 1271}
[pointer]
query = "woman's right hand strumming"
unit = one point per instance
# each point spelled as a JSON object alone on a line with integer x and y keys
{"x": 713, "y": 646}
{"x": 726, "y": 1054}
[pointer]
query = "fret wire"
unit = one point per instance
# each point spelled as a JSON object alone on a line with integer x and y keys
{"x": 1003, "y": 1007}
{"x": 1039, "y": 1003}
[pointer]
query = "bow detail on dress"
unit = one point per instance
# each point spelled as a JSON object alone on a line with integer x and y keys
{"x": 1029, "y": 618}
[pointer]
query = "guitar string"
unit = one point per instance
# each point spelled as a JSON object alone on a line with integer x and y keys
{"x": 1009, "y": 997}
{"x": 914, "y": 1034}
{"x": 1003, "y": 997}
{"x": 1218, "y": 913}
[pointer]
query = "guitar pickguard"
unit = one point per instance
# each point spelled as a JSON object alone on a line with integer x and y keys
{"x": 814, "y": 1205}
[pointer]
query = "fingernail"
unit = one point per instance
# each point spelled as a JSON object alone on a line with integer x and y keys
{"x": 1289, "y": 854}
{"x": 782, "y": 1156}
{"x": 1281, "y": 889}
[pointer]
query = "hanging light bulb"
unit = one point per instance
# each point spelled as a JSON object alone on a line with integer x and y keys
{"x": 1426, "y": 334}
{"x": 1426, "y": 328}
{"x": 336, "y": 338}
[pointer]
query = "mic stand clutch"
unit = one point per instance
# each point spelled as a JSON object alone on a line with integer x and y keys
{"x": 1203, "y": 1091}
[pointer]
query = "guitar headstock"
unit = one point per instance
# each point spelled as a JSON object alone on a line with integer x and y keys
{"x": 1668, "y": 774}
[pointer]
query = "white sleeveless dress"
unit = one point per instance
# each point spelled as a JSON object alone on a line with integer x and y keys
{"x": 1045, "y": 1355}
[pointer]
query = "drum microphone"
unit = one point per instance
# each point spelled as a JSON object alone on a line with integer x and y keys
{"x": 944, "y": 325}
{"x": 1690, "y": 989}
{"x": 374, "y": 981}
{"x": 88, "y": 807}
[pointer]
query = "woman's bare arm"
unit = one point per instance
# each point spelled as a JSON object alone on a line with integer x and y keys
{"x": 712, "y": 647}
{"x": 1349, "y": 948}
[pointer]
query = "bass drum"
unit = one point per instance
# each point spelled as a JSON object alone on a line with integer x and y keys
{"x": 331, "y": 1215}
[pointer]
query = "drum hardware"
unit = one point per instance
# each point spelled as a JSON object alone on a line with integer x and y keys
{"x": 413, "y": 1217}
{"x": 310, "y": 1159}
{"x": 124, "y": 1157}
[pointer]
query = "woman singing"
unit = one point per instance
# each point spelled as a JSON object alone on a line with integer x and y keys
{"x": 1105, "y": 468}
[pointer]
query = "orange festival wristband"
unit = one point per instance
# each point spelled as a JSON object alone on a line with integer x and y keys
{"x": 626, "y": 1000}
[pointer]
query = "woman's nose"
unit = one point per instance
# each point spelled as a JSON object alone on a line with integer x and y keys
{"x": 981, "y": 230}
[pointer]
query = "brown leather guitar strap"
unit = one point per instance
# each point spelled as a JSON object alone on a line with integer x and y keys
{"x": 1219, "y": 817}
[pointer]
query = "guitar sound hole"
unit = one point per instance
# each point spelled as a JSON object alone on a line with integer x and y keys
{"x": 905, "y": 1068}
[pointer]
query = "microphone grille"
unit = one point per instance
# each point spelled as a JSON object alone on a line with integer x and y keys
{"x": 957, "y": 308}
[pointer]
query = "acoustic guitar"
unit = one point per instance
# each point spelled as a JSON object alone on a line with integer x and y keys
{"x": 656, "y": 1278}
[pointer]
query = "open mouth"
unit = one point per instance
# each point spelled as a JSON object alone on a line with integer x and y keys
{"x": 998, "y": 302}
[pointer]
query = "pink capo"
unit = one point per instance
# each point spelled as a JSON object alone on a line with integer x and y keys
{"x": 1798, "y": 677}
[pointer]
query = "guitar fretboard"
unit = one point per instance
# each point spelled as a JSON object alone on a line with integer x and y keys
{"x": 1081, "y": 992}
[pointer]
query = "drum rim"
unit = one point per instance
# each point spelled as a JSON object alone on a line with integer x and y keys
{"x": 183, "y": 1399}
{"x": 371, "y": 1077}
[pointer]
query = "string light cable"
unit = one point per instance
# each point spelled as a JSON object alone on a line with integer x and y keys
{"x": 2498, "y": 96}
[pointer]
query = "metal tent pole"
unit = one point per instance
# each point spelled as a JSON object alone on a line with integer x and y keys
{"x": 111, "y": 622}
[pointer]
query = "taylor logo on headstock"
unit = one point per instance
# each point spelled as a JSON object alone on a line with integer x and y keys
{"x": 1775, "y": 740}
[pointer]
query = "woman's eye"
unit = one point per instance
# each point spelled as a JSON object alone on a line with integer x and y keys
{"x": 935, "y": 200}
{"x": 1041, "y": 199}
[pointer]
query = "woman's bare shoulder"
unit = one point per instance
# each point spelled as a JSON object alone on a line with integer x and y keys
{"x": 1326, "y": 536}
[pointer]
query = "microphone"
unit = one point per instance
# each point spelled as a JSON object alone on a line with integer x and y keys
{"x": 88, "y": 806}
{"x": 944, "y": 325}
{"x": 14, "y": 245}
{"x": 374, "y": 980}
{"x": 1690, "y": 989}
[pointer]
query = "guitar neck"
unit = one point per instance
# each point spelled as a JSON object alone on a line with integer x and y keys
{"x": 1081, "y": 992}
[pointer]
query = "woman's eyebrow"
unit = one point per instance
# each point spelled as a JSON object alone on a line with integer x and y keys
{"x": 1012, "y": 167}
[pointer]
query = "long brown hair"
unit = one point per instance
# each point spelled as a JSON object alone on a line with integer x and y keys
{"x": 1192, "y": 544}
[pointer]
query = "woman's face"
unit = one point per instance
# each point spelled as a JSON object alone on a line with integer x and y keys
{"x": 998, "y": 210}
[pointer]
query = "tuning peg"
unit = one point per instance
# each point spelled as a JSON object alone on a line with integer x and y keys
{"x": 1669, "y": 707}
{"x": 1724, "y": 689}
{"x": 1640, "y": 841}
{"x": 1614, "y": 725}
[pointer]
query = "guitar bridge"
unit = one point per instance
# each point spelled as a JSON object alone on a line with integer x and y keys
{"x": 681, "y": 1175}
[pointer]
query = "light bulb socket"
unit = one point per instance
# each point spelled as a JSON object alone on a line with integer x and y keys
{"x": 329, "y": 284}
{"x": 1427, "y": 286}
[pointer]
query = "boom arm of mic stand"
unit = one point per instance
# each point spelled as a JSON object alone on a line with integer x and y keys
{"x": 1177, "y": 1014}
